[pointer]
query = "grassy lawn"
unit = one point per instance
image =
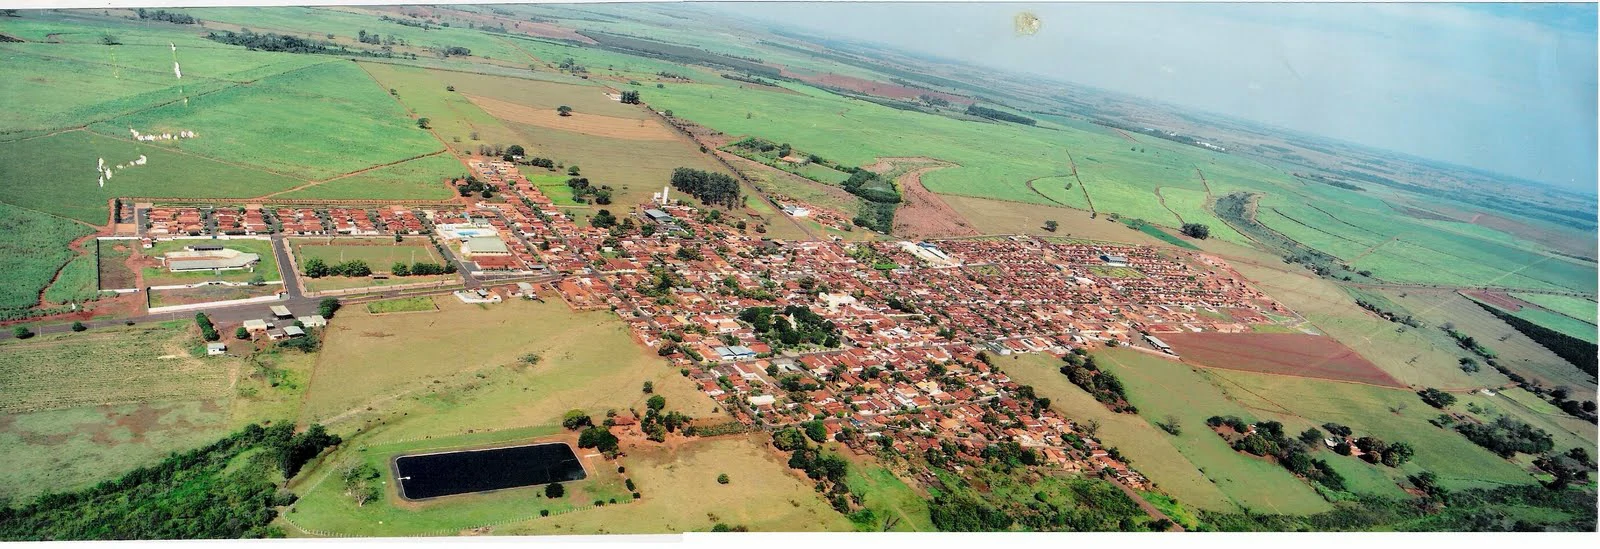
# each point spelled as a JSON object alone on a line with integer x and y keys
{"x": 168, "y": 173}
{"x": 402, "y": 305}
{"x": 267, "y": 268}
{"x": 379, "y": 253}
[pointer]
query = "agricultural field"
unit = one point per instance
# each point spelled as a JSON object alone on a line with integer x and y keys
{"x": 455, "y": 119}
{"x": 1515, "y": 350}
{"x": 167, "y": 173}
{"x": 76, "y": 283}
{"x": 267, "y": 268}
{"x": 402, "y": 305}
{"x": 418, "y": 179}
{"x": 1561, "y": 323}
{"x": 1578, "y": 308}
{"x": 134, "y": 394}
{"x": 33, "y": 246}
{"x": 1301, "y": 355}
{"x": 112, "y": 263}
{"x": 635, "y": 169}
{"x": 208, "y": 294}
{"x": 313, "y": 123}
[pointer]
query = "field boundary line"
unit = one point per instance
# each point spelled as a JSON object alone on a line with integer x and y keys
{"x": 314, "y": 183}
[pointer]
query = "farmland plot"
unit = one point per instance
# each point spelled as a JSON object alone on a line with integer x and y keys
{"x": 419, "y": 179}
{"x": 33, "y": 246}
{"x": 116, "y": 366}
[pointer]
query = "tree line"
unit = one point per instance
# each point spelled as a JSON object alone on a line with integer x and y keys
{"x": 1104, "y": 386}
{"x": 995, "y": 114}
{"x": 168, "y": 16}
{"x": 709, "y": 187}
{"x": 290, "y": 44}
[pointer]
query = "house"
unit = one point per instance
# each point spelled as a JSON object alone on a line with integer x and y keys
{"x": 293, "y": 331}
{"x": 313, "y": 321}
{"x": 280, "y": 311}
{"x": 658, "y": 216}
{"x": 1160, "y": 345}
{"x": 256, "y": 326}
{"x": 216, "y": 348}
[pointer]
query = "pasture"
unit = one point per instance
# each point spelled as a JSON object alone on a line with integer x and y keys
{"x": 417, "y": 179}
{"x": 635, "y": 169}
{"x": 454, "y": 118}
{"x": 33, "y": 246}
{"x": 1516, "y": 351}
{"x": 59, "y": 171}
{"x": 1575, "y": 307}
{"x": 402, "y": 305}
{"x": 77, "y": 282}
{"x": 157, "y": 275}
{"x": 312, "y": 123}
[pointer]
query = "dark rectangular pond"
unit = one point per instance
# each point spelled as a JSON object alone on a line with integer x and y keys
{"x": 444, "y": 474}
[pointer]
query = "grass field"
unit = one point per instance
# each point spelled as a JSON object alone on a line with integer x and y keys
{"x": 267, "y": 269}
{"x": 1575, "y": 307}
{"x": 113, "y": 264}
{"x": 312, "y": 123}
{"x": 419, "y": 179}
{"x": 380, "y": 253}
{"x": 635, "y": 169}
{"x": 74, "y": 193}
{"x": 33, "y": 246}
{"x": 1561, "y": 323}
{"x": 402, "y": 305}
{"x": 77, "y": 282}
{"x": 1393, "y": 415}
{"x": 85, "y": 407}
{"x": 452, "y": 116}
{"x": 888, "y": 496}
{"x": 1515, "y": 351}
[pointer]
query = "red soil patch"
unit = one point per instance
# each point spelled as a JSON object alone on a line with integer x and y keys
{"x": 1498, "y": 299}
{"x": 923, "y": 214}
{"x": 1300, "y": 355}
{"x": 873, "y": 87}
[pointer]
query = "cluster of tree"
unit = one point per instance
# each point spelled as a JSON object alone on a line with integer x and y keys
{"x": 470, "y": 185}
{"x": 570, "y": 65}
{"x": 1080, "y": 368}
{"x": 207, "y": 330}
{"x": 966, "y": 514}
{"x": 1469, "y": 343}
{"x": 1267, "y": 439}
{"x": 1389, "y": 315}
{"x": 995, "y": 114}
{"x": 672, "y": 76}
{"x": 656, "y": 423}
{"x": 1436, "y": 398}
{"x": 582, "y": 191}
{"x": 424, "y": 25}
{"x": 540, "y": 162}
{"x": 1573, "y": 466}
{"x": 1506, "y": 437}
{"x": 1581, "y": 354}
{"x": 1474, "y": 510}
{"x": 315, "y": 267}
{"x": 361, "y": 483}
{"x": 168, "y": 16}
{"x": 1058, "y": 504}
{"x": 750, "y": 79}
{"x": 709, "y": 187}
{"x": 599, "y": 438}
{"x": 867, "y": 185}
{"x": 827, "y": 469}
{"x": 328, "y": 306}
{"x": 199, "y": 494}
{"x": 290, "y": 44}
{"x": 603, "y": 219}
{"x": 421, "y": 268}
{"x": 878, "y": 216}
{"x": 1317, "y": 177}
{"x": 933, "y": 100}
{"x": 447, "y": 51}
{"x": 364, "y": 38}
{"x": 794, "y": 325}
{"x": 630, "y": 97}
{"x": 1197, "y": 231}
{"x": 1375, "y": 450}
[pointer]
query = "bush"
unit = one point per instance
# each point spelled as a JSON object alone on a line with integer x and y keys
{"x": 554, "y": 490}
{"x": 723, "y": 479}
{"x": 78, "y": 326}
{"x": 576, "y": 419}
{"x": 22, "y": 332}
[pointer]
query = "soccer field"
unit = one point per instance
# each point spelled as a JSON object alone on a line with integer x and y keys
{"x": 379, "y": 253}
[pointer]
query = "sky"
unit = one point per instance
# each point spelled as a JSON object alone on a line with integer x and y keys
{"x": 1507, "y": 88}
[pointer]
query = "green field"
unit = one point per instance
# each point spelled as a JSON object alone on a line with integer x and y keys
{"x": 635, "y": 169}
{"x": 267, "y": 269}
{"x": 1575, "y": 307}
{"x": 1560, "y": 323}
{"x": 312, "y": 123}
{"x": 168, "y": 173}
{"x": 33, "y": 246}
{"x": 402, "y": 305}
{"x": 380, "y": 253}
{"x": 77, "y": 283}
{"x": 1515, "y": 350}
{"x": 450, "y": 114}
{"x": 888, "y": 496}
{"x": 419, "y": 179}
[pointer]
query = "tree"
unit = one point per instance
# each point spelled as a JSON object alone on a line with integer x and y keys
{"x": 22, "y": 332}
{"x": 564, "y": 110}
{"x": 554, "y": 490}
{"x": 400, "y": 269}
{"x": 656, "y": 403}
{"x": 424, "y": 123}
{"x": 1436, "y": 398}
{"x": 722, "y": 478}
{"x": 576, "y": 419}
{"x": 515, "y": 151}
{"x": 328, "y": 306}
{"x": 449, "y": 88}
{"x": 649, "y": 387}
{"x": 1197, "y": 231}
{"x": 78, "y": 326}
{"x": 1051, "y": 225}
{"x": 630, "y": 97}
{"x": 598, "y": 438}
{"x": 314, "y": 267}
{"x": 241, "y": 333}
{"x": 1311, "y": 436}
{"x": 572, "y": 170}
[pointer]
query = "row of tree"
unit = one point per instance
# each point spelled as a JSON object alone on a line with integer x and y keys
{"x": 421, "y": 268}
{"x": 315, "y": 267}
{"x": 1267, "y": 439}
{"x": 168, "y": 16}
{"x": 995, "y": 114}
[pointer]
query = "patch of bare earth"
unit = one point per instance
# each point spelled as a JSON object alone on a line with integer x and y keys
{"x": 923, "y": 214}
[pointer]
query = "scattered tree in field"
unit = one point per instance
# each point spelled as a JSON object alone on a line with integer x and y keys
{"x": 1197, "y": 231}
{"x": 78, "y": 326}
{"x": 572, "y": 170}
{"x": 361, "y": 483}
{"x": 656, "y": 403}
{"x": 564, "y": 110}
{"x": 576, "y": 419}
{"x": 722, "y": 478}
{"x": 1171, "y": 425}
{"x": 22, "y": 332}
{"x": 649, "y": 387}
{"x": 449, "y": 88}
{"x": 110, "y": 40}
{"x": 424, "y": 123}
{"x": 1051, "y": 225}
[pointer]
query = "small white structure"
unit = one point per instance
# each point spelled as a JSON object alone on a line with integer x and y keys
{"x": 281, "y": 311}
{"x": 216, "y": 348}
{"x": 796, "y": 211}
{"x": 662, "y": 197}
{"x": 313, "y": 321}
{"x": 293, "y": 331}
{"x": 762, "y": 400}
{"x": 256, "y": 325}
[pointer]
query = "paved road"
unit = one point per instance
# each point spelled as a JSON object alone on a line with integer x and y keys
{"x": 286, "y": 267}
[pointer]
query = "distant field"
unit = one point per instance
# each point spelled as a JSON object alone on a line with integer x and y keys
{"x": 1516, "y": 351}
{"x": 452, "y": 116}
{"x": 635, "y": 169}
{"x": 419, "y": 179}
{"x": 74, "y": 192}
{"x": 160, "y": 276}
{"x": 402, "y": 305}
{"x": 32, "y": 247}
{"x": 313, "y": 123}
{"x": 1561, "y": 323}
{"x": 1575, "y": 307}
{"x": 115, "y": 366}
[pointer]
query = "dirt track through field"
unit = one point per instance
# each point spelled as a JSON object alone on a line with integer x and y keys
{"x": 584, "y": 123}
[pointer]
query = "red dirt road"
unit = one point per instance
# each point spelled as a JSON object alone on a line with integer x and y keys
{"x": 1301, "y": 355}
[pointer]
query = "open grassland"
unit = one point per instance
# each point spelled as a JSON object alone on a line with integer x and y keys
{"x": 451, "y": 115}
{"x": 1162, "y": 388}
{"x": 419, "y": 179}
{"x": 56, "y": 175}
{"x": 635, "y": 169}
{"x": 586, "y": 360}
{"x": 1193, "y": 207}
{"x": 1515, "y": 350}
{"x": 1567, "y": 431}
{"x": 108, "y": 366}
{"x": 1575, "y": 307}
{"x": 1369, "y": 234}
{"x": 614, "y": 127}
{"x": 379, "y": 253}
{"x": 1390, "y": 414}
{"x": 313, "y": 123}
{"x": 1002, "y": 217}
{"x": 402, "y": 305}
{"x": 267, "y": 268}
{"x": 1153, "y": 452}
{"x": 888, "y": 496}
{"x": 1411, "y": 357}
{"x": 33, "y": 246}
